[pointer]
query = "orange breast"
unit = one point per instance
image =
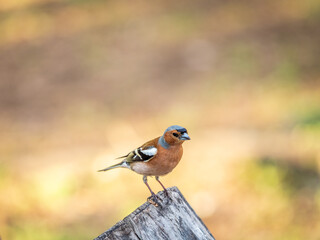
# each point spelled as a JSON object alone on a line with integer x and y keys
{"x": 163, "y": 163}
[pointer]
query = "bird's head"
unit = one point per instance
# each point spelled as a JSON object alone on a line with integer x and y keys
{"x": 175, "y": 134}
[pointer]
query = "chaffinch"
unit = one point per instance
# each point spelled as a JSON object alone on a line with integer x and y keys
{"x": 157, "y": 157}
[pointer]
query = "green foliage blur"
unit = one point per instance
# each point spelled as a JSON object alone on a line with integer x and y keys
{"x": 84, "y": 82}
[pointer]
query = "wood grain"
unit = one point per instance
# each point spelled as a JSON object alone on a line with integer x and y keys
{"x": 173, "y": 219}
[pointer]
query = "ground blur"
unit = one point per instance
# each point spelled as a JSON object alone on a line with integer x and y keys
{"x": 83, "y": 82}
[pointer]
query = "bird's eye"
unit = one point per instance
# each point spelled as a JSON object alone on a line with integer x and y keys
{"x": 175, "y": 134}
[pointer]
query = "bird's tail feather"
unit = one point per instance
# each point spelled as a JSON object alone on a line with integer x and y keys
{"x": 118, "y": 165}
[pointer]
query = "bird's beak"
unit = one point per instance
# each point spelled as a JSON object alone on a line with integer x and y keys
{"x": 185, "y": 136}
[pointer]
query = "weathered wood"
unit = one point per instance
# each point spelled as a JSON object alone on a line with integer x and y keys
{"x": 173, "y": 219}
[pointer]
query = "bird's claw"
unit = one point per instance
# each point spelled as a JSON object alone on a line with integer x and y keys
{"x": 153, "y": 199}
{"x": 166, "y": 193}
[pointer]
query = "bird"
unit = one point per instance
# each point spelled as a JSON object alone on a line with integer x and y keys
{"x": 156, "y": 157}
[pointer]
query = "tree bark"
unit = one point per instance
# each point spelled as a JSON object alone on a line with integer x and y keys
{"x": 173, "y": 219}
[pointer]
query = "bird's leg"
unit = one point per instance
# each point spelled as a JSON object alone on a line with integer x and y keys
{"x": 165, "y": 190}
{"x": 153, "y": 198}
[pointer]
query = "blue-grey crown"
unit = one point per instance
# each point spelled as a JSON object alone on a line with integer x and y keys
{"x": 176, "y": 127}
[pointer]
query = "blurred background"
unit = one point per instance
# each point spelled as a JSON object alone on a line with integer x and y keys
{"x": 83, "y": 82}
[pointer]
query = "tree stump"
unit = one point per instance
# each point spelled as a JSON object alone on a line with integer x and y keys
{"x": 173, "y": 219}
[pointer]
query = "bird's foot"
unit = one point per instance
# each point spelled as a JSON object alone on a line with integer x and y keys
{"x": 166, "y": 193}
{"x": 153, "y": 199}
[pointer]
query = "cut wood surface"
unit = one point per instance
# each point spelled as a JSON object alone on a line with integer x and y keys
{"x": 173, "y": 219}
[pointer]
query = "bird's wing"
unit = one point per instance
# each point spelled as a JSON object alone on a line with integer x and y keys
{"x": 144, "y": 153}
